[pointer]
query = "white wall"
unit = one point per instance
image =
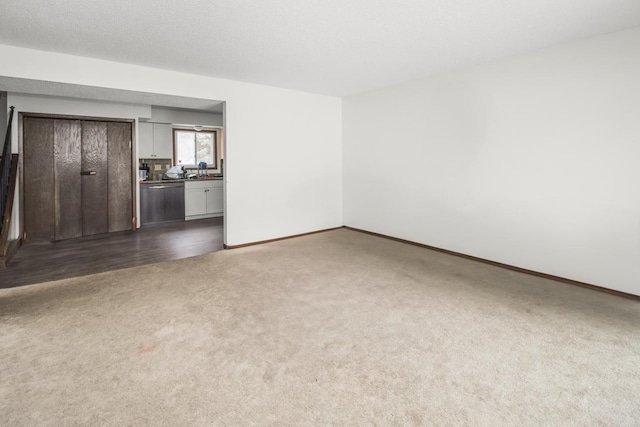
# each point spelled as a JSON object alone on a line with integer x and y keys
{"x": 531, "y": 161}
{"x": 4, "y": 116}
{"x": 181, "y": 117}
{"x": 73, "y": 107}
{"x": 283, "y": 147}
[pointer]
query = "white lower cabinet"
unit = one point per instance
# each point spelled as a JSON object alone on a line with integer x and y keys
{"x": 203, "y": 199}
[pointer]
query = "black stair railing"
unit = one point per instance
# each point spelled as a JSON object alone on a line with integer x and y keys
{"x": 5, "y": 169}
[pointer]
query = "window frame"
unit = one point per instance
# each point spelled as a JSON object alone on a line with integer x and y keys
{"x": 214, "y": 132}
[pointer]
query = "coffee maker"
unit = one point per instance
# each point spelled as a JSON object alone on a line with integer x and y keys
{"x": 143, "y": 172}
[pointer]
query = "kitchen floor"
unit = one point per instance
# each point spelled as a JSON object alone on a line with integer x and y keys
{"x": 42, "y": 262}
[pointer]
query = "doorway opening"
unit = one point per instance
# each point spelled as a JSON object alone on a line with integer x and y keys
{"x": 37, "y": 98}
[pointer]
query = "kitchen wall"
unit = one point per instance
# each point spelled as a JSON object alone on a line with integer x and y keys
{"x": 179, "y": 119}
{"x": 157, "y": 167}
{"x": 283, "y": 168}
{"x": 183, "y": 117}
{"x": 530, "y": 161}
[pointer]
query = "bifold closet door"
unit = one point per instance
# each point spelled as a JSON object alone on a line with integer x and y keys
{"x": 38, "y": 179}
{"x": 67, "y": 160}
{"x": 120, "y": 177}
{"x": 77, "y": 178}
{"x": 94, "y": 177}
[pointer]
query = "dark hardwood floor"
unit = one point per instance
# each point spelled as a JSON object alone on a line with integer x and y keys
{"x": 41, "y": 262}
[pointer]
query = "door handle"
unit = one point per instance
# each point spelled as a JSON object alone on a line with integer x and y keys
{"x": 87, "y": 172}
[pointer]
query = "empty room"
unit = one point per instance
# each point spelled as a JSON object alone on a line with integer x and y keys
{"x": 320, "y": 213}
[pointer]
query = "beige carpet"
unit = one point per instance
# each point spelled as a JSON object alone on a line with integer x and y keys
{"x": 334, "y": 328}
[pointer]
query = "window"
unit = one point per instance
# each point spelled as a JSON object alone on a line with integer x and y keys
{"x": 191, "y": 147}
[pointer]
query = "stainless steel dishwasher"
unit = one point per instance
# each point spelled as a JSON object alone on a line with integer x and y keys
{"x": 161, "y": 202}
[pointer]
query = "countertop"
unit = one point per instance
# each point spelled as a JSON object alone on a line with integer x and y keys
{"x": 168, "y": 181}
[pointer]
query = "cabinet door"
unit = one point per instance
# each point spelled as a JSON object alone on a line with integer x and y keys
{"x": 162, "y": 141}
{"x": 215, "y": 200}
{"x": 195, "y": 202}
{"x": 145, "y": 140}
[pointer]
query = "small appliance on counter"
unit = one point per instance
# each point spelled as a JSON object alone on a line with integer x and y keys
{"x": 143, "y": 172}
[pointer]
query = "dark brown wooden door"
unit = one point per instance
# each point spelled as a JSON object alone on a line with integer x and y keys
{"x": 94, "y": 178}
{"x": 67, "y": 152}
{"x": 77, "y": 178}
{"x": 120, "y": 179}
{"x": 39, "y": 203}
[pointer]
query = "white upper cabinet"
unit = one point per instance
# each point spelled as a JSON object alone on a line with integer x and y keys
{"x": 155, "y": 141}
{"x": 145, "y": 140}
{"x": 163, "y": 140}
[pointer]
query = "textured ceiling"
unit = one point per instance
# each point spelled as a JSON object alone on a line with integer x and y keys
{"x": 333, "y": 47}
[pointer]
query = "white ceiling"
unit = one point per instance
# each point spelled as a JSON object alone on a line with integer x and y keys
{"x": 333, "y": 47}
